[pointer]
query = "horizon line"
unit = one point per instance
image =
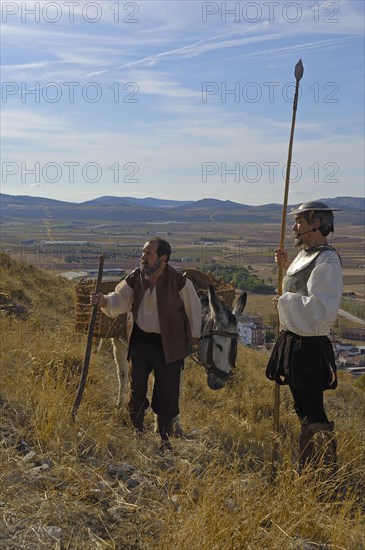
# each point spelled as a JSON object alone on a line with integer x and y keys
{"x": 174, "y": 200}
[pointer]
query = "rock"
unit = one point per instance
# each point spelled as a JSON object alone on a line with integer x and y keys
{"x": 43, "y": 462}
{"x": 53, "y": 531}
{"x": 29, "y": 457}
{"x": 175, "y": 502}
{"x": 22, "y": 447}
{"x": 129, "y": 468}
{"x": 122, "y": 472}
{"x": 121, "y": 511}
{"x": 42, "y": 468}
{"x": 298, "y": 542}
{"x": 142, "y": 479}
{"x": 96, "y": 495}
{"x": 132, "y": 483}
{"x": 165, "y": 464}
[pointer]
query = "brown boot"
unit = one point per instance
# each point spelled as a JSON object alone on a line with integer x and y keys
{"x": 317, "y": 447}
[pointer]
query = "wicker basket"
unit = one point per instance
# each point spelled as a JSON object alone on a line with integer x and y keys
{"x": 105, "y": 327}
{"x": 225, "y": 291}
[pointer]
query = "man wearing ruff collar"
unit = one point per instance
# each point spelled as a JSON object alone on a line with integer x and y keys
{"x": 303, "y": 356}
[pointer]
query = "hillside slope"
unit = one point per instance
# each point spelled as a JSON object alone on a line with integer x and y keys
{"x": 90, "y": 484}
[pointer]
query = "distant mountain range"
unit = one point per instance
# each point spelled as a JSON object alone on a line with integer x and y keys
{"x": 20, "y": 207}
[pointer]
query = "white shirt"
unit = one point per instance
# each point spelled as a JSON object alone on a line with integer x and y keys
{"x": 313, "y": 315}
{"x": 121, "y": 300}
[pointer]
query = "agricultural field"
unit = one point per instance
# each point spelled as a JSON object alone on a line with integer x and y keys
{"x": 195, "y": 245}
{"x": 248, "y": 245}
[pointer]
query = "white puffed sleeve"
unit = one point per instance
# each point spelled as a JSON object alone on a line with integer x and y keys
{"x": 193, "y": 308}
{"x": 314, "y": 314}
{"x": 119, "y": 301}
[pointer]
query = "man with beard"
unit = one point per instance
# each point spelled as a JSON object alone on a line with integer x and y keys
{"x": 167, "y": 322}
{"x": 303, "y": 356}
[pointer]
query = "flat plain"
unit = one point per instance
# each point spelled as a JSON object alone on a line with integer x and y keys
{"x": 194, "y": 244}
{"x": 249, "y": 245}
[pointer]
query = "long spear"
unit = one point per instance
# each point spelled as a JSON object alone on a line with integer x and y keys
{"x": 85, "y": 368}
{"x": 298, "y": 73}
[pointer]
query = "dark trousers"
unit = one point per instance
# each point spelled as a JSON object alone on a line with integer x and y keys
{"x": 145, "y": 358}
{"x": 308, "y": 403}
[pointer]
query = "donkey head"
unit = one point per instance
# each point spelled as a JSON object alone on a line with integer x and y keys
{"x": 217, "y": 349}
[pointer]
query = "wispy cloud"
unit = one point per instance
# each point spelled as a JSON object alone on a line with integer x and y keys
{"x": 286, "y": 50}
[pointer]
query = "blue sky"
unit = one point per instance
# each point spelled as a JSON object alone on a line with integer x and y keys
{"x": 181, "y": 99}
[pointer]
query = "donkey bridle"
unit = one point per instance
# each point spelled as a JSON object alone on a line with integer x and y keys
{"x": 211, "y": 366}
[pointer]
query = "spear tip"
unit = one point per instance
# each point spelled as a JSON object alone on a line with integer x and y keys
{"x": 299, "y": 70}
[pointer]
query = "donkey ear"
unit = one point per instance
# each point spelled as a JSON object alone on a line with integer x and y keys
{"x": 240, "y": 304}
{"x": 214, "y": 302}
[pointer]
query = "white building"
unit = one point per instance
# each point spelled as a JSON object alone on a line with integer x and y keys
{"x": 250, "y": 330}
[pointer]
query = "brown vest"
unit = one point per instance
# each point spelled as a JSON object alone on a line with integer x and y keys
{"x": 174, "y": 324}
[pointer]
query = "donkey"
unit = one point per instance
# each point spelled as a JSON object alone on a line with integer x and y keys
{"x": 217, "y": 347}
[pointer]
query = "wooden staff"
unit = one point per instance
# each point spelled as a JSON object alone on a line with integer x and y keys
{"x": 85, "y": 368}
{"x": 298, "y": 73}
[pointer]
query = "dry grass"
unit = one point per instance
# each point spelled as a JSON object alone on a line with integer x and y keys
{"x": 214, "y": 492}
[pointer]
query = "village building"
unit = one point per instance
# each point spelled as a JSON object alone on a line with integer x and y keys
{"x": 250, "y": 330}
{"x": 353, "y": 333}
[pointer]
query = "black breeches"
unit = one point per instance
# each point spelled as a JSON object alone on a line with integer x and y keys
{"x": 165, "y": 397}
{"x": 308, "y": 403}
